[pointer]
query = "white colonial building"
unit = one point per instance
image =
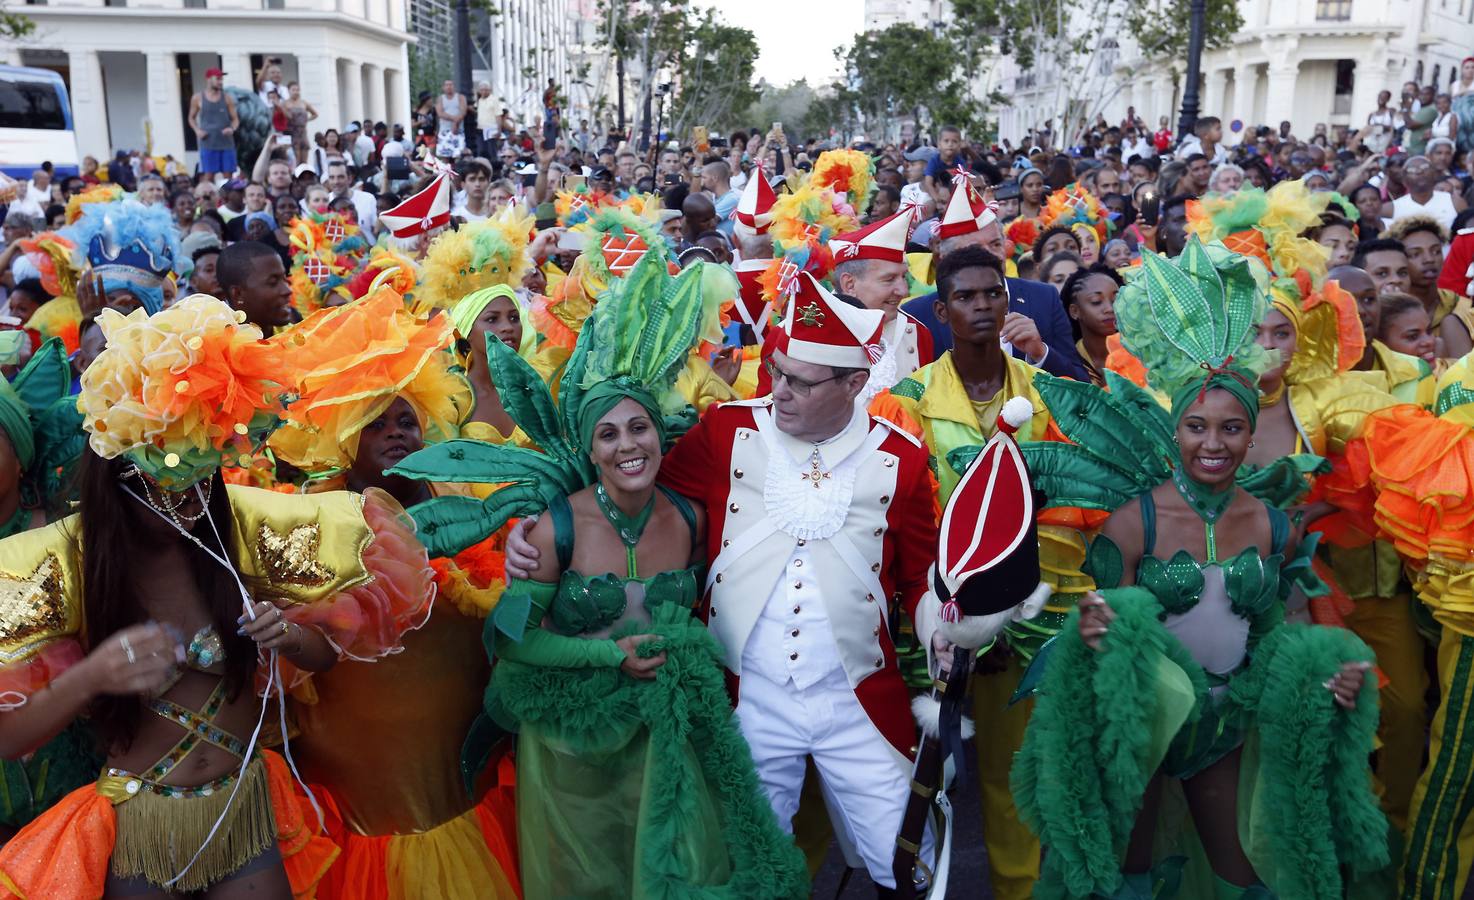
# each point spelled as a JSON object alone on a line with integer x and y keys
{"x": 132, "y": 65}
{"x": 1308, "y": 62}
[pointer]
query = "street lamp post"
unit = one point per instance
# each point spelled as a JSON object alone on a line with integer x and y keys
{"x": 1197, "y": 12}
{"x": 463, "y": 48}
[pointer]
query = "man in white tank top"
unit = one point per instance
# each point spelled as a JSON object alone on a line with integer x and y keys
{"x": 1421, "y": 199}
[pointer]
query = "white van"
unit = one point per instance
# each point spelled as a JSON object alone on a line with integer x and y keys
{"x": 36, "y": 123}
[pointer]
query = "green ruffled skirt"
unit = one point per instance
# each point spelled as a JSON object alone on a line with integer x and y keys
{"x": 641, "y": 789}
{"x": 1105, "y": 722}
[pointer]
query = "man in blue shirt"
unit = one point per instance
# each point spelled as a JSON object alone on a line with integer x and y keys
{"x": 716, "y": 179}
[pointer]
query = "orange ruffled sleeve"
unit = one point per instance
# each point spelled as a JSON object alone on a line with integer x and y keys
{"x": 369, "y": 620}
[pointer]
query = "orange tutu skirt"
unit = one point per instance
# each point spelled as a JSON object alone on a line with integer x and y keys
{"x": 64, "y": 853}
{"x": 470, "y": 857}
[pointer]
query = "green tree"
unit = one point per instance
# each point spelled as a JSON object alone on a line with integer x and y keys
{"x": 1161, "y": 27}
{"x": 715, "y": 74}
{"x": 14, "y": 26}
{"x": 644, "y": 36}
{"x": 908, "y": 72}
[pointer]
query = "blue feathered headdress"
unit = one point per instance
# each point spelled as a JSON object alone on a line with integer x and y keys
{"x": 131, "y": 246}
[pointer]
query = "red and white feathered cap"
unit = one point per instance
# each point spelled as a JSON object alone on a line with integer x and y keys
{"x": 966, "y": 212}
{"x": 988, "y": 557}
{"x": 755, "y": 210}
{"x": 425, "y": 211}
{"x": 822, "y": 329}
{"x": 883, "y": 240}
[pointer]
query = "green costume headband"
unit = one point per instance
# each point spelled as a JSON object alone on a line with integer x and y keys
{"x": 604, "y": 396}
{"x": 1237, "y": 381}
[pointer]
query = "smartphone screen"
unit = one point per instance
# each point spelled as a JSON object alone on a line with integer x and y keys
{"x": 1151, "y": 207}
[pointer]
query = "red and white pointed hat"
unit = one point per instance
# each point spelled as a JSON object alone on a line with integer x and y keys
{"x": 966, "y": 212}
{"x": 883, "y": 240}
{"x": 425, "y": 211}
{"x": 755, "y": 210}
{"x": 988, "y": 558}
{"x": 752, "y": 309}
{"x": 822, "y": 329}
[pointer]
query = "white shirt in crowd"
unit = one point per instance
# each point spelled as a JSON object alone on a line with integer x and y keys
{"x": 271, "y": 89}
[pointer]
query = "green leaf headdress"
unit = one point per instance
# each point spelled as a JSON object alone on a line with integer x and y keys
{"x": 1191, "y": 321}
{"x": 634, "y": 345}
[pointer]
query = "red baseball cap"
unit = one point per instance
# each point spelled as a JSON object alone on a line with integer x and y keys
{"x": 214, "y": 73}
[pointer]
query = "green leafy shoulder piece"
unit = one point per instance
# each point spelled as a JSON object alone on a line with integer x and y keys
{"x": 532, "y": 478}
{"x": 1120, "y": 444}
{"x": 1283, "y": 482}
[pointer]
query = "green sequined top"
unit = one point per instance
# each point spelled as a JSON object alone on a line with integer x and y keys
{"x": 1256, "y": 584}
{"x": 567, "y": 624}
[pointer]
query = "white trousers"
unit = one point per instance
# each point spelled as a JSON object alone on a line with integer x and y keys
{"x": 865, "y": 786}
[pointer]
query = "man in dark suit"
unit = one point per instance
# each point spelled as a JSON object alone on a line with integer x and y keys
{"x": 1034, "y": 303}
{"x": 1040, "y": 303}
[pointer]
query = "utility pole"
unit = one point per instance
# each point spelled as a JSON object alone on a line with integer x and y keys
{"x": 619, "y": 77}
{"x": 1197, "y": 12}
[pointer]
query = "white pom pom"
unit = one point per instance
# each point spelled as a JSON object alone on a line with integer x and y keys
{"x": 1017, "y": 411}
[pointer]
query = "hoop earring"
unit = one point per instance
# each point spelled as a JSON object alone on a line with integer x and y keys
{"x": 1251, "y": 445}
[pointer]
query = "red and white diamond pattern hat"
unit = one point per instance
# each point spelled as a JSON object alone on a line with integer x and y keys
{"x": 822, "y": 329}
{"x": 966, "y": 212}
{"x": 425, "y": 211}
{"x": 883, "y": 240}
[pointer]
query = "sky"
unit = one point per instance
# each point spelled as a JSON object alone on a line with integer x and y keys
{"x": 797, "y": 38}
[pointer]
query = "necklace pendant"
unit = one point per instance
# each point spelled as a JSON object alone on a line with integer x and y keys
{"x": 816, "y": 474}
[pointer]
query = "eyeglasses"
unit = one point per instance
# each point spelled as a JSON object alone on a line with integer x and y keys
{"x": 799, "y": 386}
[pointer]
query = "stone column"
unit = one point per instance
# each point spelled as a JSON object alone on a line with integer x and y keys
{"x": 1215, "y": 86}
{"x": 1374, "y": 73}
{"x": 89, "y": 104}
{"x": 1279, "y": 104}
{"x": 374, "y": 77}
{"x": 166, "y": 109}
{"x": 352, "y": 93}
{"x": 396, "y": 99}
{"x": 318, "y": 73}
{"x": 1284, "y": 68}
{"x": 1245, "y": 88}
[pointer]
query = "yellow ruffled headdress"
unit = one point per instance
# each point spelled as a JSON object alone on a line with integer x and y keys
{"x": 476, "y": 256}
{"x": 184, "y": 390}
{"x": 1267, "y": 225}
{"x": 356, "y": 359}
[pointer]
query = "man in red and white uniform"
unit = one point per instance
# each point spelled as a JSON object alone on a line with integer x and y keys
{"x": 822, "y": 515}
{"x": 870, "y": 265}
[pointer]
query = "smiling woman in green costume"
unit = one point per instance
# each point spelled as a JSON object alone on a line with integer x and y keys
{"x": 632, "y": 777}
{"x": 1183, "y": 662}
